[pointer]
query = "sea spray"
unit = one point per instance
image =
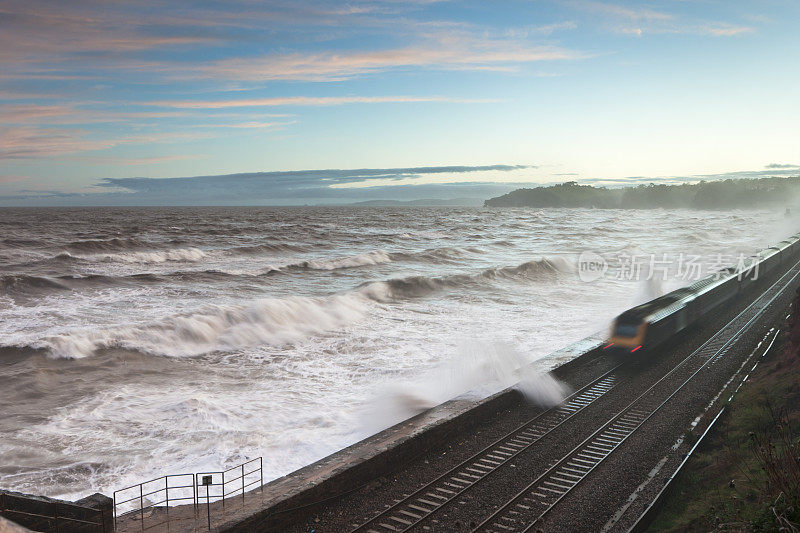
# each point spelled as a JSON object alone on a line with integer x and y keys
{"x": 479, "y": 369}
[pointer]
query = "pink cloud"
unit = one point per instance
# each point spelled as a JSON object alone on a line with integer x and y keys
{"x": 28, "y": 142}
{"x": 134, "y": 160}
{"x": 447, "y": 50}
{"x": 13, "y": 179}
{"x": 307, "y": 101}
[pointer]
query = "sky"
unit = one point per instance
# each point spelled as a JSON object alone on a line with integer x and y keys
{"x": 268, "y": 102}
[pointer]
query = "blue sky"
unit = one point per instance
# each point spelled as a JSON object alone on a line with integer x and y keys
{"x": 431, "y": 98}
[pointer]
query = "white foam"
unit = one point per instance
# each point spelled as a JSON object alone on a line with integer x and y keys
{"x": 190, "y": 255}
{"x": 274, "y": 322}
{"x": 369, "y": 258}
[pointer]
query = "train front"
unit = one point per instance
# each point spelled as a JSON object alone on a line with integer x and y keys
{"x": 627, "y": 334}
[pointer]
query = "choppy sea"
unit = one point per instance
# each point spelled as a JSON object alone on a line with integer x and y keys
{"x": 137, "y": 342}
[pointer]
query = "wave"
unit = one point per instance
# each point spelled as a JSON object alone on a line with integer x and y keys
{"x": 187, "y": 255}
{"x": 20, "y": 242}
{"x": 190, "y": 255}
{"x": 431, "y": 255}
{"x": 260, "y": 248}
{"x": 273, "y": 322}
{"x": 104, "y": 245}
{"x": 20, "y": 285}
{"x": 418, "y": 286}
{"x": 436, "y": 255}
{"x": 369, "y": 258}
{"x": 25, "y": 284}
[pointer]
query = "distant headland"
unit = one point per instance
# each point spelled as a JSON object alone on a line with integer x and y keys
{"x": 723, "y": 194}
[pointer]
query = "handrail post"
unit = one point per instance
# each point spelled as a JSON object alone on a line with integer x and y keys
{"x": 242, "y": 481}
{"x": 208, "y": 506}
{"x": 141, "y": 503}
{"x": 166, "y": 491}
{"x": 261, "y": 470}
{"x": 55, "y": 518}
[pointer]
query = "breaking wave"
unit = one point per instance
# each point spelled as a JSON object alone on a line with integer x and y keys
{"x": 370, "y": 258}
{"x": 418, "y": 286}
{"x": 190, "y": 255}
{"x": 437, "y": 255}
{"x": 433, "y": 255}
{"x": 274, "y": 322}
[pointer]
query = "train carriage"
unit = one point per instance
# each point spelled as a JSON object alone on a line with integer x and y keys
{"x": 649, "y": 325}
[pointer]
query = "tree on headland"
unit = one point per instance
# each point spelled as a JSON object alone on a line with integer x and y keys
{"x": 723, "y": 194}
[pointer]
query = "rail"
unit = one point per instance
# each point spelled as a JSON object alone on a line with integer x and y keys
{"x": 538, "y": 498}
{"x": 149, "y": 502}
{"x": 655, "y": 506}
{"x": 207, "y": 480}
{"x": 53, "y": 516}
{"x": 148, "y": 493}
{"x": 242, "y": 477}
{"x": 445, "y": 489}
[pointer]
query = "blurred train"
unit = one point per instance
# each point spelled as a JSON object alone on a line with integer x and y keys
{"x": 651, "y": 324}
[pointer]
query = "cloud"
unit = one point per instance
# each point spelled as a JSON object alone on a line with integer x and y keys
{"x": 293, "y": 187}
{"x": 34, "y": 31}
{"x": 723, "y": 30}
{"x": 248, "y": 125}
{"x": 13, "y": 179}
{"x": 534, "y": 31}
{"x": 446, "y": 50}
{"x": 616, "y": 11}
{"x": 80, "y": 39}
{"x": 10, "y": 95}
{"x": 26, "y": 142}
{"x": 641, "y": 20}
{"x": 27, "y": 113}
{"x": 133, "y": 160}
{"x": 307, "y": 101}
{"x": 297, "y": 179}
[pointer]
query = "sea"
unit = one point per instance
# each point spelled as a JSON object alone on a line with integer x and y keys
{"x": 138, "y": 342}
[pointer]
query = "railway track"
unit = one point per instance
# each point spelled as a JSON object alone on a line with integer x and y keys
{"x": 445, "y": 489}
{"x": 525, "y": 510}
{"x": 538, "y": 498}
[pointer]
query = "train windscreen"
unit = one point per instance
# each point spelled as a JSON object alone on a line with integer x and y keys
{"x": 627, "y": 330}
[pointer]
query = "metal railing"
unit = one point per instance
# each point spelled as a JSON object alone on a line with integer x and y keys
{"x": 149, "y": 498}
{"x": 43, "y": 515}
{"x": 238, "y": 476}
{"x": 154, "y": 493}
